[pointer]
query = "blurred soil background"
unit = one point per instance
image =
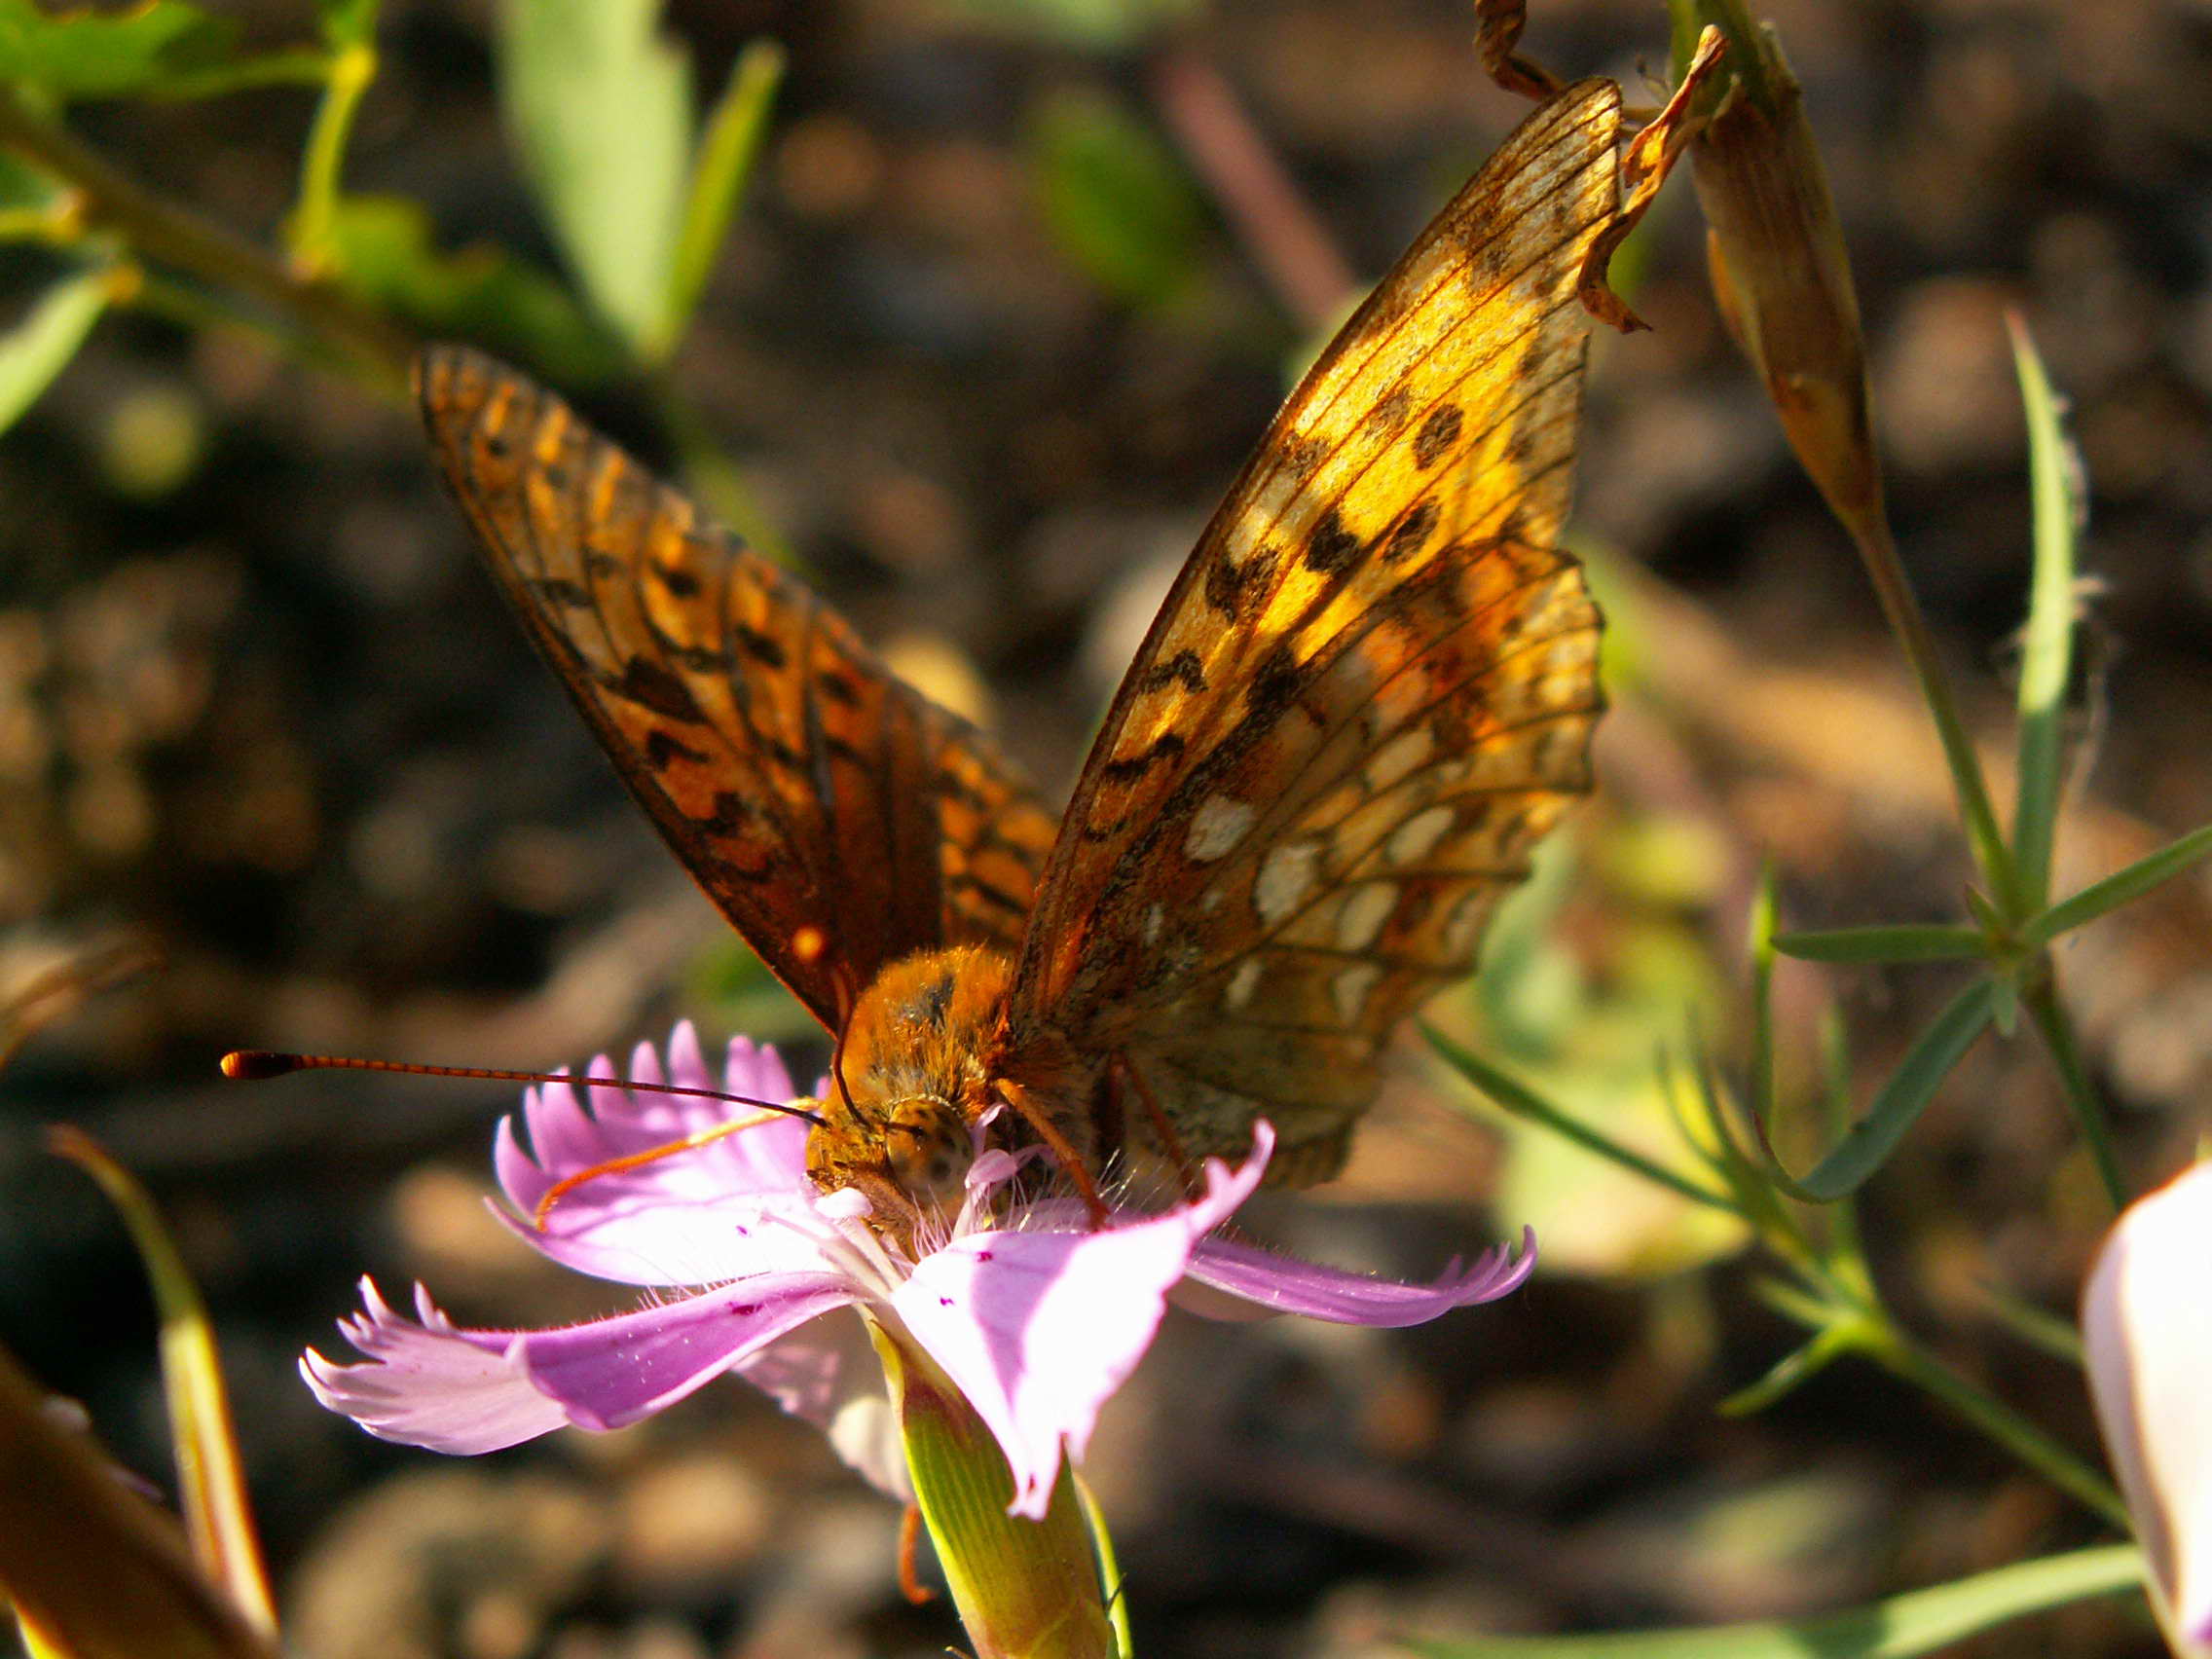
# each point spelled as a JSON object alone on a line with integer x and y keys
{"x": 261, "y": 711}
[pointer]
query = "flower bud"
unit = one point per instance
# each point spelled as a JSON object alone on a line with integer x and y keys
{"x": 1780, "y": 274}
{"x": 2147, "y": 1323}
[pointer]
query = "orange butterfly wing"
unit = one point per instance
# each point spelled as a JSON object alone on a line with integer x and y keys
{"x": 838, "y": 818}
{"x": 1371, "y": 689}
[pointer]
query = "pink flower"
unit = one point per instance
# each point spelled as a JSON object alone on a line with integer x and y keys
{"x": 2147, "y": 1328}
{"x": 1037, "y": 1316}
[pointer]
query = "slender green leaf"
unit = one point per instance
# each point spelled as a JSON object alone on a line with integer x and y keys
{"x": 1116, "y": 201}
{"x": 727, "y": 150}
{"x": 82, "y": 54}
{"x": 2118, "y": 888}
{"x": 1799, "y": 1366}
{"x": 347, "y": 23}
{"x": 384, "y": 256}
{"x": 1523, "y": 1102}
{"x": 2047, "y": 659}
{"x": 2039, "y": 1327}
{"x": 1868, "y": 1143}
{"x": 1919, "y": 1621}
{"x": 210, "y": 1475}
{"x": 1932, "y": 941}
{"x": 41, "y": 345}
{"x": 600, "y": 107}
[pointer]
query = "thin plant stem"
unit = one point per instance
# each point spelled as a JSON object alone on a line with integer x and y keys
{"x": 2040, "y": 998}
{"x": 1299, "y": 260}
{"x": 375, "y": 349}
{"x": 313, "y": 252}
{"x": 1877, "y": 550}
{"x": 1901, "y": 1358}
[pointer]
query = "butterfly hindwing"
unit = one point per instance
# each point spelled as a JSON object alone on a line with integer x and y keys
{"x": 1371, "y": 688}
{"x": 837, "y": 817}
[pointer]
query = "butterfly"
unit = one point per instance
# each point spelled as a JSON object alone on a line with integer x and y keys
{"x": 1370, "y": 690}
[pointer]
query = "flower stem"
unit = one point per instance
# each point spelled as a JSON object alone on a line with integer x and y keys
{"x": 1024, "y": 1589}
{"x": 375, "y": 349}
{"x": 2039, "y": 998}
{"x": 313, "y": 251}
{"x": 1898, "y": 1354}
{"x": 1877, "y": 550}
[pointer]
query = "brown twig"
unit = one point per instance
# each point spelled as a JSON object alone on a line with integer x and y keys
{"x": 156, "y": 231}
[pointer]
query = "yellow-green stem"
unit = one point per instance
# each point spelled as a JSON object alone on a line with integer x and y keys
{"x": 1023, "y": 1589}
{"x": 376, "y": 351}
{"x": 314, "y": 247}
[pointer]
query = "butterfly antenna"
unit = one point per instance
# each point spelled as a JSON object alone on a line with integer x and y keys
{"x": 254, "y": 1065}
{"x": 837, "y": 1071}
{"x": 247, "y": 1065}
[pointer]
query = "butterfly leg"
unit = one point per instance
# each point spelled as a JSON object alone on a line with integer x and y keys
{"x": 567, "y": 1184}
{"x": 1162, "y": 1131}
{"x": 1057, "y": 1144}
{"x": 911, "y": 1583}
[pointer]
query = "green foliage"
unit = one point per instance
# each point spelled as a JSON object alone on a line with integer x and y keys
{"x": 727, "y": 150}
{"x": 1921, "y": 1621}
{"x": 1115, "y": 199}
{"x": 1094, "y": 25}
{"x": 599, "y": 106}
{"x": 40, "y": 347}
{"x": 93, "y": 54}
{"x": 386, "y": 257}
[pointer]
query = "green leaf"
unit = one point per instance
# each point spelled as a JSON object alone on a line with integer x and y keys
{"x": 41, "y": 345}
{"x": 727, "y": 151}
{"x": 1115, "y": 199}
{"x": 210, "y": 1472}
{"x": 2054, "y": 468}
{"x": 386, "y": 257}
{"x": 90, "y": 55}
{"x": 1913, "y": 943}
{"x": 1920, "y": 1621}
{"x": 1868, "y": 1143}
{"x": 600, "y": 108}
{"x": 1523, "y": 1102}
{"x": 1098, "y": 26}
{"x": 2118, "y": 888}
{"x": 347, "y": 23}
{"x": 1799, "y": 1366}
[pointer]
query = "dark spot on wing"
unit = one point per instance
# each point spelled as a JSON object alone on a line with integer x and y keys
{"x": 1184, "y": 667}
{"x": 1165, "y": 747}
{"x": 662, "y": 751}
{"x": 1413, "y": 531}
{"x": 761, "y": 647}
{"x": 646, "y": 681}
{"x": 677, "y": 581}
{"x": 561, "y": 591}
{"x": 1437, "y": 434}
{"x": 1332, "y": 549}
{"x": 1228, "y": 585}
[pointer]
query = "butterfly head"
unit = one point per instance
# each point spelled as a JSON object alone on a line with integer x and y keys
{"x": 913, "y": 1083}
{"x": 909, "y": 1156}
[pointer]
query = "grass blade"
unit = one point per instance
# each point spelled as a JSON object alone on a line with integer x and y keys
{"x": 2118, "y": 888}
{"x": 1932, "y": 941}
{"x": 2055, "y": 473}
{"x": 1919, "y": 1621}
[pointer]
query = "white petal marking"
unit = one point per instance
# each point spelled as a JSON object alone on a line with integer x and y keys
{"x": 1349, "y": 988}
{"x": 1400, "y": 755}
{"x": 1286, "y": 876}
{"x": 1217, "y": 826}
{"x": 1242, "y": 983}
{"x": 1416, "y": 837}
{"x": 1364, "y": 912}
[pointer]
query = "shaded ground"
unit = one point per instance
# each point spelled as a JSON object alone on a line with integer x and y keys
{"x": 260, "y": 707}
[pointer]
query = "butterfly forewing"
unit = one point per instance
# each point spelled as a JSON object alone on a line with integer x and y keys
{"x": 1371, "y": 688}
{"x": 837, "y": 817}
